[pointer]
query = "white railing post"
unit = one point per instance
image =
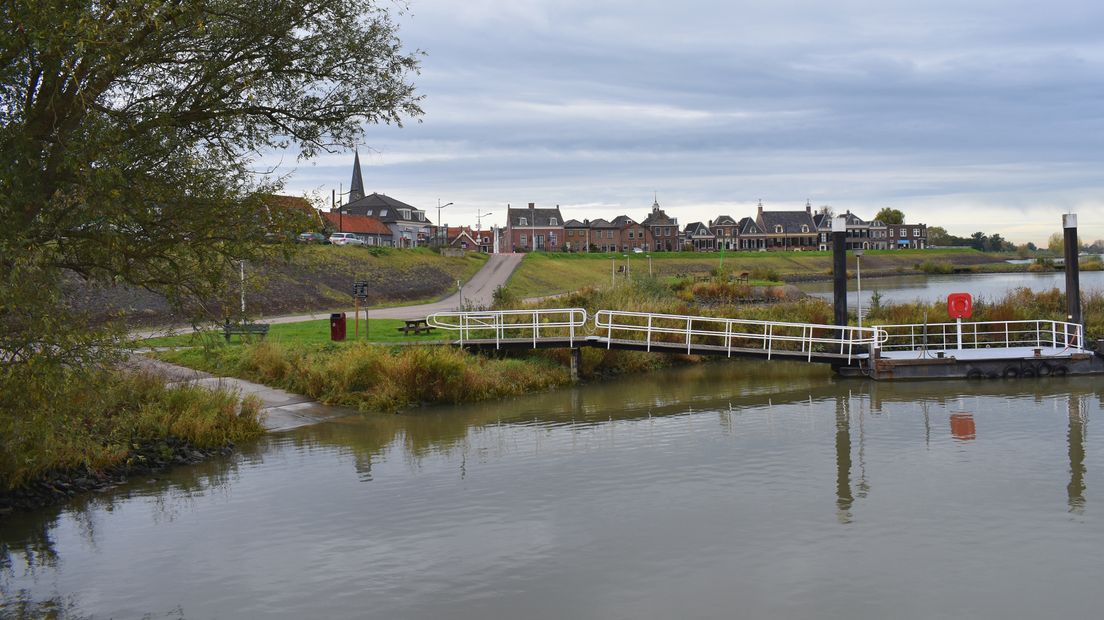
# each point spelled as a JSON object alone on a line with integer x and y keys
{"x": 649, "y": 334}
{"x": 689, "y": 326}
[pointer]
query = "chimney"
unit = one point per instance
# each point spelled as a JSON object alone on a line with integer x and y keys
{"x": 808, "y": 208}
{"x": 760, "y": 209}
{"x": 532, "y": 205}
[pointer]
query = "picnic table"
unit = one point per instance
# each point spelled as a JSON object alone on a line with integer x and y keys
{"x": 418, "y": 326}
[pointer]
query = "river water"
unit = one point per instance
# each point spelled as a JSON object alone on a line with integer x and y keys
{"x": 729, "y": 489}
{"x": 930, "y": 288}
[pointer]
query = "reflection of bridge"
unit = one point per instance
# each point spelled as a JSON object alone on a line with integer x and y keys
{"x": 1009, "y": 349}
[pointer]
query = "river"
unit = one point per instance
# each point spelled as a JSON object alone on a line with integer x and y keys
{"x": 729, "y": 489}
{"x": 929, "y": 288}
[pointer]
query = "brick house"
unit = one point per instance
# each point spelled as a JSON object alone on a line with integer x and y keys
{"x": 370, "y": 229}
{"x": 906, "y": 236}
{"x": 725, "y": 230}
{"x": 700, "y": 237}
{"x": 630, "y": 234}
{"x": 531, "y": 229}
{"x": 662, "y": 230}
{"x": 788, "y": 230}
{"x": 409, "y": 226}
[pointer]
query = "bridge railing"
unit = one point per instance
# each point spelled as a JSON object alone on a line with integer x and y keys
{"x": 982, "y": 334}
{"x": 732, "y": 334}
{"x": 513, "y": 325}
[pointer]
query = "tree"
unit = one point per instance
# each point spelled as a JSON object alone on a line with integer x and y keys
{"x": 1057, "y": 244}
{"x": 129, "y": 131}
{"x": 891, "y": 216}
{"x": 937, "y": 235}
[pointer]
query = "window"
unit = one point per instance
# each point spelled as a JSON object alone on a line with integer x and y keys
{"x": 540, "y": 242}
{"x": 552, "y": 239}
{"x": 778, "y": 228}
{"x": 609, "y": 234}
{"x": 804, "y": 228}
{"x": 553, "y": 221}
{"x": 404, "y": 214}
{"x": 524, "y": 239}
{"x": 915, "y": 232}
{"x": 890, "y": 232}
{"x": 383, "y": 212}
{"x": 523, "y": 221}
{"x": 369, "y": 212}
{"x": 630, "y": 234}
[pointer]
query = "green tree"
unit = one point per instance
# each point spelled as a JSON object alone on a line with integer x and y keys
{"x": 937, "y": 235}
{"x": 130, "y": 132}
{"x": 1057, "y": 244}
{"x": 889, "y": 215}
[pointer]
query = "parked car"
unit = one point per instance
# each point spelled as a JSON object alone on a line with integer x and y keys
{"x": 346, "y": 239}
{"x": 312, "y": 237}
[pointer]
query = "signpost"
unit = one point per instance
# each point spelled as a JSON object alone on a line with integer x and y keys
{"x": 360, "y": 293}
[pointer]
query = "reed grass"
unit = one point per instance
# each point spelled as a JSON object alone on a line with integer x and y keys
{"x": 94, "y": 421}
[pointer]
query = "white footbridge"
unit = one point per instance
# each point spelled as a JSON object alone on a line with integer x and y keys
{"x": 1006, "y": 348}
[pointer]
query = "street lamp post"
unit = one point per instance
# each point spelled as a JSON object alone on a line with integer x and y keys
{"x": 479, "y": 219}
{"x": 858, "y": 280}
{"x": 439, "y": 207}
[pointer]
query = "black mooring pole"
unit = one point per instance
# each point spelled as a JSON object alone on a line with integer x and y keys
{"x": 839, "y": 268}
{"x": 1073, "y": 278}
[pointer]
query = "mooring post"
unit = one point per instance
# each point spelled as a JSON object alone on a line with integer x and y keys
{"x": 839, "y": 269}
{"x": 1073, "y": 279}
{"x": 576, "y": 363}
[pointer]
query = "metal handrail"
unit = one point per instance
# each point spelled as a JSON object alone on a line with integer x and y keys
{"x": 766, "y": 336}
{"x": 977, "y": 335}
{"x": 511, "y": 323}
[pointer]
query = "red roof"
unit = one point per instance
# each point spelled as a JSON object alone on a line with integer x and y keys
{"x": 361, "y": 224}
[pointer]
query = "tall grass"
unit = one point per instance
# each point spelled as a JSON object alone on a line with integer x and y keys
{"x": 378, "y": 378}
{"x": 95, "y": 421}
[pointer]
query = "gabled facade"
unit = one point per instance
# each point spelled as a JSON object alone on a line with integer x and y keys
{"x": 663, "y": 230}
{"x": 788, "y": 230}
{"x": 534, "y": 229}
{"x": 603, "y": 235}
{"x": 725, "y": 230}
{"x": 631, "y": 235}
{"x": 699, "y": 237}
{"x": 749, "y": 235}
{"x": 576, "y": 236}
{"x": 409, "y": 226}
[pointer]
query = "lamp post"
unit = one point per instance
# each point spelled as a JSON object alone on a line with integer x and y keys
{"x": 626, "y": 266}
{"x": 613, "y": 278}
{"x": 858, "y": 280}
{"x": 439, "y": 207}
{"x": 479, "y": 219}
{"x": 649, "y": 265}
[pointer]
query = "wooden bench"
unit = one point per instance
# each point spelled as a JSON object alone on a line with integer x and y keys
{"x": 743, "y": 277}
{"x": 418, "y": 326}
{"x": 243, "y": 329}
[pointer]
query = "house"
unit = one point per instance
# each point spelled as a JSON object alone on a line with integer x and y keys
{"x": 531, "y": 229}
{"x": 462, "y": 238}
{"x": 630, "y": 234}
{"x": 603, "y": 235}
{"x": 861, "y": 234}
{"x": 907, "y": 236}
{"x": 577, "y": 236}
{"x": 787, "y": 230}
{"x": 749, "y": 236}
{"x": 725, "y": 230}
{"x": 373, "y": 231}
{"x": 409, "y": 226}
{"x": 663, "y": 230}
{"x": 698, "y": 236}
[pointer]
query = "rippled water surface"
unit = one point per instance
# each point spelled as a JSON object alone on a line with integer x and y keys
{"x": 724, "y": 490}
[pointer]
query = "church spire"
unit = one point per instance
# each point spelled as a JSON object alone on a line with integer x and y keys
{"x": 356, "y": 188}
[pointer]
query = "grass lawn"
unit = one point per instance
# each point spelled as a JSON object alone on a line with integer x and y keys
{"x": 306, "y": 332}
{"x": 549, "y": 273}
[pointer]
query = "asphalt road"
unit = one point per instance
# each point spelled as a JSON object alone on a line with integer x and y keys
{"x": 476, "y": 292}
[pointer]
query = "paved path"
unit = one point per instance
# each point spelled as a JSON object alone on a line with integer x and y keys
{"x": 478, "y": 291}
{"x": 281, "y": 410}
{"x": 284, "y": 410}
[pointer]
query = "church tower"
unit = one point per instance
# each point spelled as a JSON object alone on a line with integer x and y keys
{"x": 356, "y": 188}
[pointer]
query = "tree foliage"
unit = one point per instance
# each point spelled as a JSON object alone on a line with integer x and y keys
{"x": 890, "y": 215}
{"x": 130, "y": 132}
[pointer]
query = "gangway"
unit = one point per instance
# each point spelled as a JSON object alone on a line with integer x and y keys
{"x": 541, "y": 328}
{"x": 674, "y": 333}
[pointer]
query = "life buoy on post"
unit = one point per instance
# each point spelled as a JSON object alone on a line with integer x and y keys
{"x": 960, "y": 305}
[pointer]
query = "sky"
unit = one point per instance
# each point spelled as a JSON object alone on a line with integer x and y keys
{"x": 973, "y": 115}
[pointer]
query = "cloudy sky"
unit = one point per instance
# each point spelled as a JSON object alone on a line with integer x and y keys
{"x": 969, "y": 114}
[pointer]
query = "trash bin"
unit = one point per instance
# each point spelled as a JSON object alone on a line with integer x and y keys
{"x": 337, "y": 326}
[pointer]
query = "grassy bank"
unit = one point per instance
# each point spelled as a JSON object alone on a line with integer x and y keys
{"x": 381, "y": 331}
{"x": 376, "y": 378}
{"x": 100, "y": 420}
{"x": 544, "y": 273}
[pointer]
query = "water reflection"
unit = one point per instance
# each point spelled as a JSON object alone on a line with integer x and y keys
{"x": 1076, "y": 438}
{"x": 616, "y": 487}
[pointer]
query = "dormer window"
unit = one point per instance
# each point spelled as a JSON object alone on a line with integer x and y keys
{"x": 369, "y": 212}
{"x": 553, "y": 222}
{"x": 383, "y": 212}
{"x": 404, "y": 214}
{"x": 778, "y": 228}
{"x": 523, "y": 221}
{"x": 804, "y": 228}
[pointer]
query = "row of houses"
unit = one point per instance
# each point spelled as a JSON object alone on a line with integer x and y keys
{"x": 535, "y": 228}
{"x": 385, "y": 221}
